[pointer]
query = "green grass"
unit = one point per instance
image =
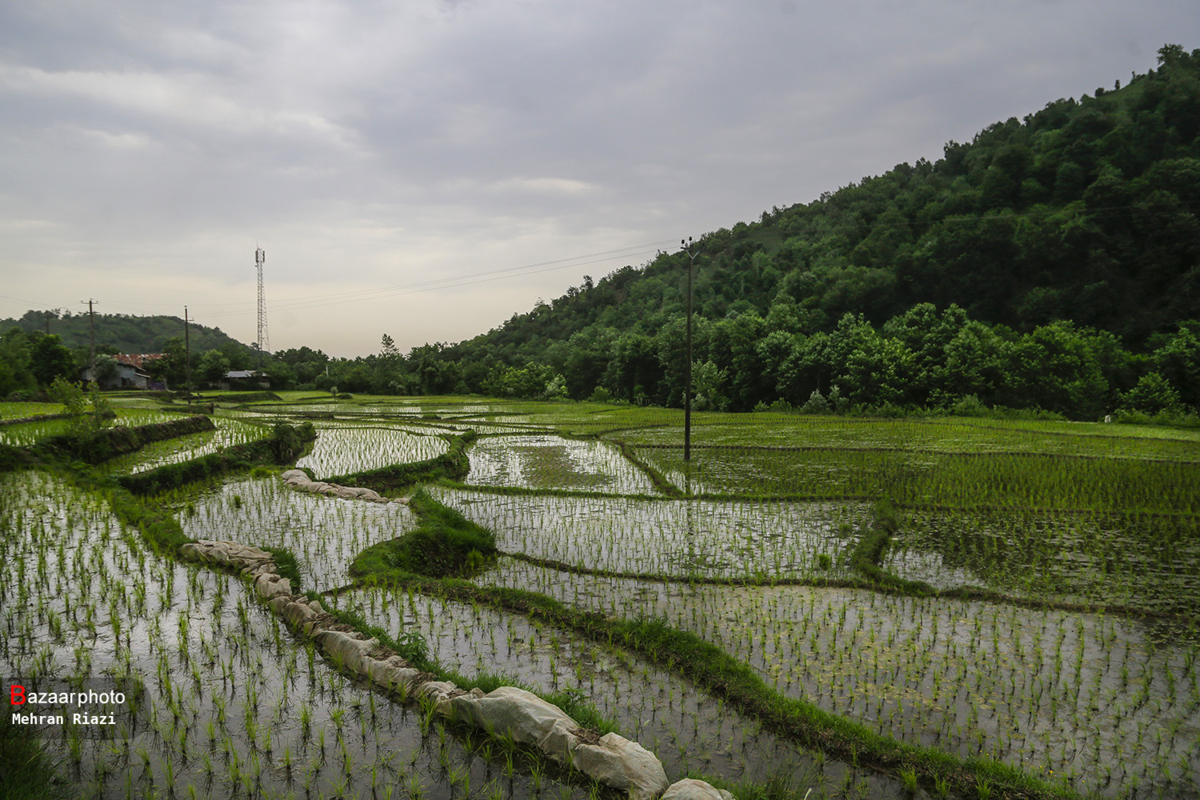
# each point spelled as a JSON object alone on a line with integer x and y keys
{"x": 10, "y": 411}
{"x": 933, "y": 479}
{"x": 286, "y": 566}
{"x": 445, "y": 543}
{"x": 27, "y": 771}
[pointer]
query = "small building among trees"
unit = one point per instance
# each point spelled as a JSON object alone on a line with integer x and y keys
{"x": 121, "y": 371}
{"x": 245, "y": 379}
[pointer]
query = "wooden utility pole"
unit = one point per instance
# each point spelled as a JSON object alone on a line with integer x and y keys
{"x": 187, "y": 357}
{"x": 687, "y": 373}
{"x": 92, "y": 322}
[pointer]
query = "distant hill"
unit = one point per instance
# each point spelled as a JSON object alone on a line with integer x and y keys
{"x": 122, "y": 333}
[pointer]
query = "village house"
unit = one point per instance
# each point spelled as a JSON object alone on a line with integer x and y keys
{"x": 131, "y": 372}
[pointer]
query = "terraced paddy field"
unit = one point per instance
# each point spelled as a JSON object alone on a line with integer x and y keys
{"x": 867, "y": 608}
{"x": 26, "y": 434}
{"x": 346, "y": 448}
{"x": 233, "y": 706}
{"x": 229, "y": 432}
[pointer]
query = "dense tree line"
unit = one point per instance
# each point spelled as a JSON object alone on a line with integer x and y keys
{"x": 923, "y": 358}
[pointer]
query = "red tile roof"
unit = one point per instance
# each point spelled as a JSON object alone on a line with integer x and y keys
{"x": 137, "y": 360}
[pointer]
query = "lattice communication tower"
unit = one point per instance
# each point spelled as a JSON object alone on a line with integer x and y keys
{"x": 264, "y": 344}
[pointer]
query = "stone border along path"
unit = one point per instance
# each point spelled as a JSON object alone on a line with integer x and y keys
{"x": 507, "y": 711}
{"x": 298, "y": 479}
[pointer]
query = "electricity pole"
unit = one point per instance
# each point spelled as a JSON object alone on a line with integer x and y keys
{"x": 92, "y": 322}
{"x": 687, "y": 374}
{"x": 187, "y": 358}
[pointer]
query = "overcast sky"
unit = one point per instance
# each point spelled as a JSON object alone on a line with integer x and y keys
{"x": 428, "y": 168}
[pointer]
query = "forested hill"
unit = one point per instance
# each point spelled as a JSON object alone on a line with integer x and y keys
{"x": 121, "y": 333}
{"x": 1086, "y": 211}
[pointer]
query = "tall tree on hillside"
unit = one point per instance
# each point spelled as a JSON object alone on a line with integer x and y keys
{"x": 49, "y": 359}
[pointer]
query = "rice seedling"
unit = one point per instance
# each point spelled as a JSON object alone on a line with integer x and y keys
{"x": 552, "y": 462}
{"x": 187, "y": 734}
{"x": 921, "y": 681}
{"x": 645, "y": 701}
{"x": 341, "y": 449}
{"x": 750, "y": 540}
{"x": 1043, "y": 511}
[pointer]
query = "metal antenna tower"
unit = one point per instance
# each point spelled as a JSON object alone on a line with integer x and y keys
{"x": 264, "y": 344}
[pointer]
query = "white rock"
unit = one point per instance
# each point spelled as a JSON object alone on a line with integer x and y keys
{"x": 345, "y": 648}
{"x": 691, "y": 789}
{"x": 269, "y": 585}
{"x": 298, "y": 480}
{"x": 298, "y": 613}
{"x": 438, "y": 692}
{"x": 393, "y": 674}
{"x": 527, "y": 718}
{"x": 623, "y": 765}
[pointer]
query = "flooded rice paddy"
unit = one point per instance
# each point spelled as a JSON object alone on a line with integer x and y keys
{"x": 552, "y": 462}
{"x": 668, "y": 537}
{"x": 684, "y": 726}
{"x": 342, "y": 449}
{"x": 229, "y": 432}
{"x": 27, "y": 434}
{"x": 1097, "y": 703}
{"x": 1101, "y": 701}
{"x": 233, "y": 704}
{"x": 1148, "y": 563}
{"x": 324, "y": 533}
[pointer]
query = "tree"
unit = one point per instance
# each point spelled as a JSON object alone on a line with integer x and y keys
{"x": 281, "y": 375}
{"x": 49, "y": 359}
{"x": 1179, "y": 362}
{"x": 1054, "y": 368}
{"x": 15, "y": 372}
{"x": 927, "y": 335}
{"x": 107, "y": 370}
{"x": 213, "y": 366}
{"x": 172, "y": 367}
{"x": 1151, "y": 395}
{"x": 709, "y": 385}
{"x": 975, "y": 361}
{"x": 877, "y": 372}
{"x": 587, "y": 361}
{"x": 89, "y": 412}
